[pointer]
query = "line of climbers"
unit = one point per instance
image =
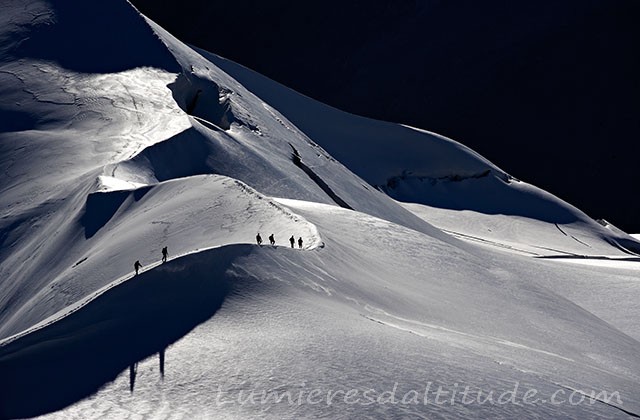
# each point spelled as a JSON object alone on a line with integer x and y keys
{"x": 272, "y": 240}
{"x": 137, "y": 266}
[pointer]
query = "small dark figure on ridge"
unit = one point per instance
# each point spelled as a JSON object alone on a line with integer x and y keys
{"x": 164, "y": 254}
{"x": 299, "y": 243}
{"x": 292, "y": 240}
{"x": 137, "y": 266}
{"x": 272, "y": 240}
{"x": 259, "y": 239}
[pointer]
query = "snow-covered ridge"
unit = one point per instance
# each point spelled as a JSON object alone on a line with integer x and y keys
{"x": 203, "y": 212}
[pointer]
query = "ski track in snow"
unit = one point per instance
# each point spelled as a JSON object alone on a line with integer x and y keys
{"x": 448, "y": 331}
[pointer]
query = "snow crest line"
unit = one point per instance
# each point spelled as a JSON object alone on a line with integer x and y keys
{"x": 119, "y": 281}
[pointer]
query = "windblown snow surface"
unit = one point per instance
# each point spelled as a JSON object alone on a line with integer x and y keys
{"x": 430, "y": 283}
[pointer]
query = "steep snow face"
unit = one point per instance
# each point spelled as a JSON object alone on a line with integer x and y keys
{"x": 107, "y": 162}
{"x": 377, "y": 151}
{"x": 262, "y": 148}
{"x": 417, "y": 166}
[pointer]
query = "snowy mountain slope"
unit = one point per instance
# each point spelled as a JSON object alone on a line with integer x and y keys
{"x": 110, "y": 162}
{"x": 203, "y": 212}
{"x": 534, "y": 86}
{"x": 527, "y": 235}
{"x": 129, "y": 126}
{"x": 334, "y": 318}
{"x": 413, "y": 165}
{"x": 391, "y": 149}
{"x": 285, "y": 155}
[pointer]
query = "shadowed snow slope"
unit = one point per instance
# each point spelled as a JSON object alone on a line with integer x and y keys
{"x": 115, "y": 144}
{"x": 135, "y": 320}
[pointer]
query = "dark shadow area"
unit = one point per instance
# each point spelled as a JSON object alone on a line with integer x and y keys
{"x": 297, "y": 160}
{"x": 185, "y": 154}
{"x": 82, "y": 37}
{"x": 140, "y": 192}
{"x": 485, "y": 193}
{"x": 203, "y": 99}
{"x": 72, "y": 358}
{"x": 12, "y": 120}
{"x": 629, "y": 245}
{"x": 13, "y": 230}
{"x": 102, "y": 206}
{"x": 99, "y": 209}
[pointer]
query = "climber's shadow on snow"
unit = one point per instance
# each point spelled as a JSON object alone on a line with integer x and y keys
{"x": 69, "y": 360}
